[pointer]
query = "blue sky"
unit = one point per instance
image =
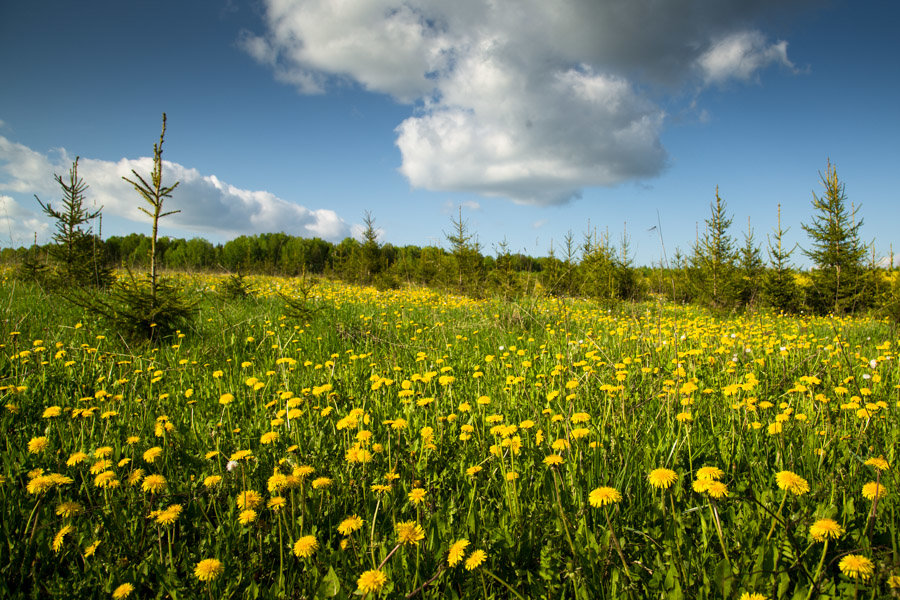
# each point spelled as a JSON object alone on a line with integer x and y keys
{"x": 535, "y": 117}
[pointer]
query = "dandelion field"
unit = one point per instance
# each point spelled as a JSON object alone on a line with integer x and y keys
{"x": 414, "y": 444}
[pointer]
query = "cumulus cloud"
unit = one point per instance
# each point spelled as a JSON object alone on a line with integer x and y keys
{"x": 206, "y": 204}
{"x": 530, "y": 100}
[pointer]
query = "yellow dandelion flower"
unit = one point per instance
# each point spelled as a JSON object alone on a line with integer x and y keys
{"x": 122, "y": 591}
{"x": 38, "y": 444}
{"x": 100, "y": 466}
{"x": 269, "y": 437}
{"x": 249, "y": 500}
{"x": 662, "y": 478}
{"x": 553, "y": 460}
{"x": 371, "y": 581}
{"x": 52, "y": 412}
{"x": 791, "y": 482}
{"x": 154, "y": 484}
{"x": 856, "y": 566}
{"x": 135, "y": 477}
{"x": 457, "y": 551}
{"x": 873, "y": 490}
{"x": 106, "y": 480}
{"x": 417, "y": 495}
{"x": 212, "y": 481}
{"x": 76, "y": 458}
{"x": 68, "y": 509}
{"x": 208, "y": 569}
{"x": 276, "y": 503}
{"x": 409, "y": 532}
{"x": 169, "y": 515}
{"x": 226, "y": 399}
{"x": 305, "y": 546}
{"x": 472, "y": 471}
{"x": 879, "y": 463}
{"x": 349, "y": 525}
{"x": 475, "y": 560}
{"x": 602, "y": 496}
{"x": 825, "y": 529}
{"x": 714, "y": 473}
{"x": 90, "y": 550}
{"x": 60, "y": 538}
{"x": 247, "y": 516}
{"x": 717, "y": 489}
{"x": 152, "y": 454}
{"x": 321, "y": 482}
{"x": 753, "y": 596}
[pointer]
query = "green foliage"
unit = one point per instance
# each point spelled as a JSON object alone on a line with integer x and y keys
{"x": 839, "y": 282}
{"x": 713, "y": 260}
{"x": 781, "y": 289}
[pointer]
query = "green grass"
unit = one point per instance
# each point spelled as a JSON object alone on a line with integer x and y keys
{"x": 438, "y": 382}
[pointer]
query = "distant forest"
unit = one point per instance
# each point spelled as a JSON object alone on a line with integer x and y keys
{"x": 720, "y": 271}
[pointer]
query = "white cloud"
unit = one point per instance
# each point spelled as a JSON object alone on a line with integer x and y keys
{"x": 206, "y": 204}
{"x": 530, "y": 100}
{"x": 19, "y": 224}
{"x": 741, "y": 55}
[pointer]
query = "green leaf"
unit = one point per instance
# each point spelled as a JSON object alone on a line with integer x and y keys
{"x": 330, "y": 585}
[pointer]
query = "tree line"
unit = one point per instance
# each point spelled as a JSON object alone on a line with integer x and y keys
{"x": 721, "y": 271}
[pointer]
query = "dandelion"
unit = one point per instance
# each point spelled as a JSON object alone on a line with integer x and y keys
{"x": 154, "y": 484}
{"x": 856, "y": 566}
{"x": 825, "y": 529}
{"x": 753, "y": 596}
{"x": 708, "y": 473}
{"x": 371, "y": 581}
{"x": 878, "y": 462}
{"x": 662, "y": 478}
{"x": 208, "y": 569}
{"x": 791, "y": 482}
{"x": 76, "y": 458}
{"x": 106, "y": 480}
{"x": 226, "y": 399}
{"x": 553, "y": 460}
{"x": 247, "y": 516}
{"x": 169, "y": 515}
{"x": 475, "y": 560}
{"x": 68, "y": 509}
{"x": 349, "y": 525}
{"x": 135, "y": 477}
{"x": 416, "y": 496}
{"x": 212, "y": 481}
{"x": 90, "y": 550}
{"x": 717, "y": 489}
{"x": 38, "y": 444}
{"x": 122, "y": 591}
{"x": 457, "y": 551}
{"x": 409, "y": 532}
{"x": 269, "y": 437}
{"x": 321, "y": 482}
{"x": 602, "y": 496}
{"x": 152, "y": 454}
{"x": 60, "y": 538}
{"x": 305, "y": 546}
{"x": 249, "y": 500}
{"x": 873, "y": 490}
{"x": 52, "y": 412}
{"x": 276, "y": 503}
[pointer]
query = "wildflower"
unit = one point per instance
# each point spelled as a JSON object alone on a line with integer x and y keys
{"x": 89, "y": 551}
{"x": 371, "y": 581}
{"x": 472, "y": 471}
{"x": 752, "y": 596}
{"x": 457, "y": 551}
{"x": 303, "y": 471}
{"x": 123, "y": 591}
{"x": 717, "y": 489}
{"x": 268, "y": 438}
{"x": 823, "y": 529}
{"x": 68, "y": 509}
{"x": 602, "y": 496}
{"x": 276, "y": 503}
{"x": 51, "y": 412}
{"x": 249, "y": 500}
{"x": 208, "y": 569}
{"x": 873, "y": 490}
{"x": 305, "y": 546}
{"x": 106, "y": 479}
{"x": 409, "y": 532}
{"x": 212, "y": 481}
{"x": 226, "y": 399}
{"x": 475, "y": 559}
{"x": 878, "y": 462}
{"x": 553, "y": 460}
{"x": 417, "y": 495}
{"x": 154, "y": 483}
{"x": 894, "y": 582}
{"x": 321, "y": 482}
{"x": 247, "y": 516}
{"x": 856, "y": 566}
{"x": 100, "y": 466}
{"x": 76, "y": 458}
{"x": 662, "y": 478}
{"x": 169, "y": 515}
{"x": 152, "y": 454}
{"x": 791, "y": 482}
{"x": 103, "y": 451}
{"x": 60, "y": 538}
{"x": 38, "y": 444}
{"x": 135, "y": 476}
{"x": 349, "y": 525}
{"x": 710, "y": 473}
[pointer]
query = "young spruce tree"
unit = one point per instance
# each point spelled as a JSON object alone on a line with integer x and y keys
{"x": 836, "y": 250}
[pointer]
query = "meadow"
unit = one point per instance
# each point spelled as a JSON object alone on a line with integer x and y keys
{"x": 414, "y": 444}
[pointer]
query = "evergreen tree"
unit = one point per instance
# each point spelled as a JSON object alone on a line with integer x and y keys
{"x": 76, "y": 251}
{"x": 714, "y": 258}
{"x": 836, "y": 250}
{"x": 781, "y": 289}
{"x": 750, "y": 269}
{"x": 467, "y": 254}
{"x": 370, "y": 262}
